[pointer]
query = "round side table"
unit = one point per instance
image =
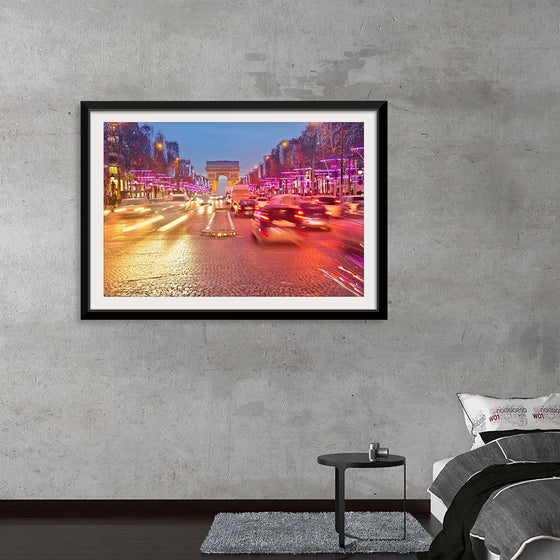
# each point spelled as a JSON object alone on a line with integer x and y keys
{"x": 343, "y": 461}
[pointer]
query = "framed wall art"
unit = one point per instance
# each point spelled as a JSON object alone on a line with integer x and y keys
{"x": 234, "y": 210}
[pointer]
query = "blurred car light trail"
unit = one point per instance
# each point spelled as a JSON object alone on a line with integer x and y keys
{"x": 352, "y": 289}
{"x": 173, "y": 223}
{"x": 144, "y": 223}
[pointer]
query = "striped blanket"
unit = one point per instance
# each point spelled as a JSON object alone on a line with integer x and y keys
{"x": 506, "y": 492}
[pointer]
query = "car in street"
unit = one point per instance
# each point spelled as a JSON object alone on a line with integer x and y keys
{"x": 132, "y": 207}
{"x": 203, "y": 199}
{"x": 238, "y": 192}
{"x": 245, "y": 207}
{"x": 312, "y": 215}
{"x": 179, "y": 200}
{"x": 333, "y": 204}
{"x": 216, "y": 198}
{"x": 351, "y": 203}
{"x": 233, "y": 204}
{"x": 290, "y": 199}
{"x": 350, "y": 233}
{"x": 179, "y": 197}
{"x": 276, "y": 223}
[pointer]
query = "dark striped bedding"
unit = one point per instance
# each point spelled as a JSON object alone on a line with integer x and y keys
{"x": 516, "y": 505}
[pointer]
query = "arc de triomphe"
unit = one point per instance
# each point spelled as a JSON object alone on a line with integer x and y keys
{"x": 229, "y": 169}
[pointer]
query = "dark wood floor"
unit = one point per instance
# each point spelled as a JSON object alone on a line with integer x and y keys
{"x": 167, "y": 538}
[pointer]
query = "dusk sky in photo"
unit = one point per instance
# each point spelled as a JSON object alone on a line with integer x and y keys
{"x": 246, "y": 142}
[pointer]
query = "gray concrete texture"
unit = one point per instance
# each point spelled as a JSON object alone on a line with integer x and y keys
{"x": 240, "y": 409}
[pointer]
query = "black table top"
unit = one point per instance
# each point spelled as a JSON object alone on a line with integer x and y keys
{"x": 359, "y": 461}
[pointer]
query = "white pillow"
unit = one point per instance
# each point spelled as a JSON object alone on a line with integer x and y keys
{"x": 484, "y": 414}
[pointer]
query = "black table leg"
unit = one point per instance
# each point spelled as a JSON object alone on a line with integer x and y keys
{"x": 339, "y": 505}
{"x": 404, "y": 500}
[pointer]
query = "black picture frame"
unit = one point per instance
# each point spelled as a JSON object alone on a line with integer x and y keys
{"x": 372, "y": 305}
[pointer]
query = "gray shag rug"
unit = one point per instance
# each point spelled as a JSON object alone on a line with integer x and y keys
{"x": 278, "y": 532}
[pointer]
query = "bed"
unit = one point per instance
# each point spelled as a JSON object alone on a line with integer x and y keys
{"x": 501, "y": 499}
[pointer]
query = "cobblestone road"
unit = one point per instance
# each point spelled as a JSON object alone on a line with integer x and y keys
{"x": 162, "y": 251}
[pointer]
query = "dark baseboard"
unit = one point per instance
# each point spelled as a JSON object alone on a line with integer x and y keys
{"x": 178, "y": 508}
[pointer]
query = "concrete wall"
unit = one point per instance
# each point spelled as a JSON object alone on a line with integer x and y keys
{"x": 241, "y": 409}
